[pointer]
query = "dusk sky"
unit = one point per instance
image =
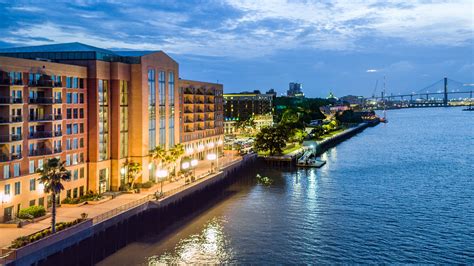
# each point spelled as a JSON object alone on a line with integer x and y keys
{"x": 338, "y": 46}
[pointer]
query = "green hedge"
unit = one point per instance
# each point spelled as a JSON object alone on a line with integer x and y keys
{"x": 31, "y": 212}
{"x": 25, "y": 240}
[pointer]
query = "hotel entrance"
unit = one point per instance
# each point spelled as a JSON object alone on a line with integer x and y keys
{"x": 104, "y": 180}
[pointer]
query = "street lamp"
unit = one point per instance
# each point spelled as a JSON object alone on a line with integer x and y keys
{"x": 162, "y": 174}
{"x": 194, "y": 163}
{"x": 212, "y": 157}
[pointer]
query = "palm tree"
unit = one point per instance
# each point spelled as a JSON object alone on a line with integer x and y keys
{"x": 133, "y": 171}
{"x": 175, "y": 154}
{"x": 158, "y": 154}
{"x": 51, "y": 175}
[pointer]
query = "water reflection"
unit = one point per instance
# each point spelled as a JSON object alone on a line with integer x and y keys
{"x": 210, "y": 246}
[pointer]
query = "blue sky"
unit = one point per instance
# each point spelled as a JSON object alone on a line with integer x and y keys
{"x": 339, "y": 46}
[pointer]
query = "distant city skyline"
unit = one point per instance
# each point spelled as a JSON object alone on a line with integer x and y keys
{"x": 338, "y": 46}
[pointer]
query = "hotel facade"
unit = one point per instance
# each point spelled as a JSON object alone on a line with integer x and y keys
{"x": 96, "y": 109}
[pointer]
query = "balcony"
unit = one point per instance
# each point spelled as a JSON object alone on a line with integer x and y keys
{"x": 10, "y": 138}
{"x": 58, "y": 133}
{"x": 199, "y": 111}
{"x": 10, "y": 100}
{"x": 58, "y": 117}
{"x": 11, "y": 119}
{"x": 188, "y": 111}
{"x": 41, "y": 100}
{"x": 188, "y": 91}
{"x": 188, "y": 121}
{"x": 57, "y": 150}
{"x": 39, "y": 152}
{"x": 187, "y": 130}
{"x": 40, "y": 135}
{"x": 45, "y": 83}
{"x": 8, "y": 82}
{"x": 9, "y": 157}
{"x": 40, "y": 118}
{"x": 188, "y": 101}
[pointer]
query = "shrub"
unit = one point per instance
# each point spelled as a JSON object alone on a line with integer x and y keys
{"x": 32, "y": 212}
{"x": 147, "y": 184}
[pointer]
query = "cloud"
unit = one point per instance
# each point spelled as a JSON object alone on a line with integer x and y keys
{"x": 371, "y": 70}
{"x": 244, "y": 28}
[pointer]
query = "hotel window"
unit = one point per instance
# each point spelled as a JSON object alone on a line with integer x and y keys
{"x": 103, "y": 120}
{"x": 17, "y": 188}
{"x": 75, "y": 82}
{"x": 41, "y": 201}
{"x": 75, "y": 174}
{"x": 16, "y": 169}
{"x": 40, "y": 164}
{"x": 81, "y": 173}
{"x": 7, "y": 189}
{"x": 68, "y": 82}
{"x": 151, "y": 110}
{"x": 32, "y": 167}
{"x": 32, "y": 184}
{"x": 32, "y": 202}
{"x": 171, "y": 105}
{"x": 68, "y": 159}
{"x": 123, "y": 119}
{"x": 69, "y": 97}
{"x": 162, "y": 110}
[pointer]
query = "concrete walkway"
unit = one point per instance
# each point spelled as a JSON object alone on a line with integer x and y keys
{"x": 7, "y": 235}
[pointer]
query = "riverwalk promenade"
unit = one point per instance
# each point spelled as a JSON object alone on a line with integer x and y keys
{"x": 118, "y": 204}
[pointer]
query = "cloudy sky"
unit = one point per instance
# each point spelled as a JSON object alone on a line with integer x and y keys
{"x": 343, "y": 46}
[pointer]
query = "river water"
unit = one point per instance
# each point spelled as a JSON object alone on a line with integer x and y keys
{"x": 401, "y": 192}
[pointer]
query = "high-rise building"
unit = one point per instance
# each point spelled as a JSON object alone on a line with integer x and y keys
{"x": 94, "y": 108}
{"x": 295, "y": 90}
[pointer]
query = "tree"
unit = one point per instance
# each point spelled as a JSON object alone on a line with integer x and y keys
{"x": 272, "y": 139}
{"x": 51, "y": 176}
{"x": 175, "y": 154}
{"x": 158, "y": 155}
{"x": 133, "y": 171}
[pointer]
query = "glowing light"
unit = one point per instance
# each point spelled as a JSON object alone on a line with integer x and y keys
{"x": 122, "y": 171}
{"x": 185, "y": 165}
{"x": 6, "y": 198}
{"x": 161, "y": 173}
{"x": 210, "y": 145}
{"x": 194, "y": 162}
{"x": 211, "y": 156}
{"x": 150, "y": 165}
{"x": 40, "y": 188}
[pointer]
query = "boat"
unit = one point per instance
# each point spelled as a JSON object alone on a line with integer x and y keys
{"x": 311, "y": 163}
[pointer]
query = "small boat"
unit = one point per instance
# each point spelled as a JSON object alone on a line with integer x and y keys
{"x": 470, "y": 108}
{"x": 311, "y": 163}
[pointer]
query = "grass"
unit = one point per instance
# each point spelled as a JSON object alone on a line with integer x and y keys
{"x": 332, "y": 133}
{"x": 286, "y": 150}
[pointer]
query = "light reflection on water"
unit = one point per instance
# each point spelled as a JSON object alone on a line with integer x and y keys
{"x": 210, "y": 246}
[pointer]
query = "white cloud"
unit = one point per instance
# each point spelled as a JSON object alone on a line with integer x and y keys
{"x": 371, "y": 70}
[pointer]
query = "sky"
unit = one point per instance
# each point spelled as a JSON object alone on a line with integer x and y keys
{"x": 341, "y": 46}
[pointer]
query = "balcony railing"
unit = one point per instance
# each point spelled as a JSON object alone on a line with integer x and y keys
{"x": 39, "y": 151}
{"x": 188, "y": 111}
{"x": 58, "y": 117}
{"x": 9, "y": 157}
{"x": 40, "y": 135}
{"x": 57, "y": 150}
{"x": 11, "y": 82}
{"x": 41, "y": 83}
{"x": 188, "y": 121}
{"x": 41, "y": 100}
{"x": 10, "y": 100}
{"x": 11, "y": 119}
{"x": 58, "y": 133}
{"x": 9, "y": 138}
{"x": 36, "y": 118}
{"x": 188, "y": 91}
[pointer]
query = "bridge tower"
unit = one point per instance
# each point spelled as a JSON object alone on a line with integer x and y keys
{"x": 445, "y": 100}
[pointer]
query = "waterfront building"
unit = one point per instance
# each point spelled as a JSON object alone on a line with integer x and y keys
{"x": 295, "y": 90}
{"x": 96, "y": 109}
{"x": 203, "y": 118}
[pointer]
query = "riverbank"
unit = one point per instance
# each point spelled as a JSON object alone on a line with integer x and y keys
{"x": 320, "y": 146}
{"x": 103, "y": 217}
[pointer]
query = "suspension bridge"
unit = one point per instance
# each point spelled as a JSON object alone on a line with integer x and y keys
{"x": 444, "y": 92}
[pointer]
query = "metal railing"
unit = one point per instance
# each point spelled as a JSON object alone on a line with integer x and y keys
{"x": 114, "y": 212}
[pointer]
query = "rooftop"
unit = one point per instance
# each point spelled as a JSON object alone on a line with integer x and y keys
{"x": 74, "y": 51}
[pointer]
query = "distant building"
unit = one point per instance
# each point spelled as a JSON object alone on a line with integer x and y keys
{"x": 352, "y": 99}
{"x": 262, "y": 121}
{"x": 272, "y": 92}
{"x": 242, "y": 106}
{"x": 295, "y": 90}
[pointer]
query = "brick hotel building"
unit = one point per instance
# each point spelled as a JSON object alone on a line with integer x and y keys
{"x": 95, "y": 109}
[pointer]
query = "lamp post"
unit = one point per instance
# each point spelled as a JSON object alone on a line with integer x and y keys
{"x": 162, "y": 174}
{"x": 212, "y": 157}
{"x": 194, "y": 163}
